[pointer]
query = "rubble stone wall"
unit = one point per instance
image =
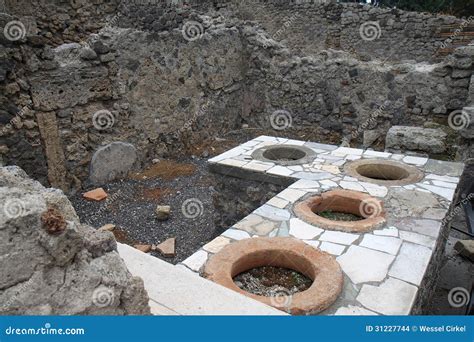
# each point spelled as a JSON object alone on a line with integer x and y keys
{"x": 131, "y": 72}
{"x": 367, "y": 32}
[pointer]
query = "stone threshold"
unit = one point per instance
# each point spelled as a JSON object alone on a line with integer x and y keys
{"x": 174, "y": 290}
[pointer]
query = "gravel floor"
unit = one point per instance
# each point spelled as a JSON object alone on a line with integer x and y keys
{"x": 131, "y": 207}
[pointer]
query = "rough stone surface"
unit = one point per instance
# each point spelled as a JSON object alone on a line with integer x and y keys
{"x": 393, "y": 297}
{"x": 74, "y": 272}
{"x": 156, "y": 84}
{"x": 163, "y": 212}
{"x": 364, "y": 265}
{"x": 112, "y": 162}
{"x": 405, "y": 138}
{"x": 465, "y": 248}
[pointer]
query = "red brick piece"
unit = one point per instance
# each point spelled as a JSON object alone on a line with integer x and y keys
{"x": 95, "y": 195}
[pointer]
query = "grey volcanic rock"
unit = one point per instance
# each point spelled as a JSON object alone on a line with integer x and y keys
{"x": 75, "y": 271}
{"x": 430, "y": 140}
{"x": 112, "y": 161}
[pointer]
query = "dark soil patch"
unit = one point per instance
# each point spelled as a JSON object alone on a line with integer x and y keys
{"x": 123, "y": 237}
{"x": 272, "y": 281}
{"x": 339, "y": 216}
{"x": 131, "y": 207}
{"x": 166, "y": 170}
{"x": 155, "y": 194}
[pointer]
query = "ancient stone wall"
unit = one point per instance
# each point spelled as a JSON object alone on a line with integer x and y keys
{"x": 151, "y": 90}
{"x": 165, "y": 75}
{"x": 356, "y": 99}
{"x": 365, "y": 31}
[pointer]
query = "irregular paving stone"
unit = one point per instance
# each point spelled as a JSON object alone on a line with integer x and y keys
{"x": 313, "y": 175}
{"x": 248, "y": 222}
{"x": 343, "y": 151}
{"x": 216, "y": 245}
{"x": 111, "y": 162}
{"x": 273, "y": 213}
{"x": 363, "y": 265}
{"x": 264, "y": 228}
{"x": 411, "y": 263}
{"x": 303, "y": 230}
{"x": 419, "y": 239}
{"x": 258, "y": 166}
{"x": 236, "y": 234}
{"x": 386, "y": 244}
{"x": 444, "y": 192}
{"x": 332, "y": 248}
{"x": 374, "y": 189}
{"x": 291, "y": 195}
{"x": 95, "y": 195}
{"x": 390, "y": 231}
{"x": 403, "y": 203}
{"x": 196, "y": 261}
{"x": 167, "y": 247}
{"x": 280, "y": 171}
{"x": 339, "y": 237}
{"x": 419, "y": 161}
{"x": 444, "y": 168}
{"x": 435, "y": 213}
{"x": 392, "y": 297}
{"x": 351, "y": 186}
{"x": 278, "y": 202}
{"x": 425, "y": 227}
{"x": 234, "y": 162}
{"x": 305, "y": 184}
{"x": 370, "y": 153}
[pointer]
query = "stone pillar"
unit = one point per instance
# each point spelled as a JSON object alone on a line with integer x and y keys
{"x": 49, "y": 131}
